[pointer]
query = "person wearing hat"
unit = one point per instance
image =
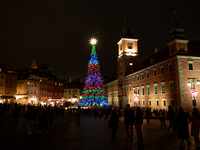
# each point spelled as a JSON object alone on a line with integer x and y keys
{"x": 129, "y": 121}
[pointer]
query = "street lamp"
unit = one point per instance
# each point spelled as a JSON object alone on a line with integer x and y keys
{"x": 136, "y": 98}
{"x": 193, "y": 91}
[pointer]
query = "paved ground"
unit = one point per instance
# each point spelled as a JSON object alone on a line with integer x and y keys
{"x": 91, "y": 134}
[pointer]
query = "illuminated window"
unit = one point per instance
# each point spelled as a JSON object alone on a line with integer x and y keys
{"x": 129, "y": 87}
{"x": 126, "y": 87}
{"x": 138, "y": 90}
{"x": 55, "y": 83}
{"x": 143, "y": 102}
{"x": 163, "y": 87}
{"x": 130, "y": 45}
{"x": 148, "y": 89}
{"x": 164, "y": 102}
{"x": 133, "y": 78}
{"x": 130, "y": 99}
{"x": 147, "y": 74}
{"x": 1, "y": 91}
{"x": 149, "y": 102}
{"x": 138, "y": 101}
{"x": 142, "y": 76}
{"x": 190, "y": 65}
{"x": 134, "y": 90}
{"x": 157, "y": 102}
{"x": 137, "y": 77}
{"x": 155, "y": 88}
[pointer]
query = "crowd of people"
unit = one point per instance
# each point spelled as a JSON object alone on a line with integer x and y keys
{"x": 133, "y": 117}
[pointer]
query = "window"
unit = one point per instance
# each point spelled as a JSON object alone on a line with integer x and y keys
{"x": 126, "y": 87}
{"x": 147, "y": 74}
{"x": 142, "y": 90}
{"x": 35, "y": 84}
{"x": 1, "y": 91}
{"x": 34, "y": 91}
{"x": 149, "y": 102}
{"x": 138, "y": 101}
{"x": 157, "y": 102}
{"x": 155, "y": 88}
{"x": 137, "y": 77}
{"x": 130, "y": 99}
{"x": 164, "y": 102}
{"x": 172, "y": 101}
{"x": 130, "y": 45}
{"x": 8, "y": 77}
{"x": 127, "y": 99}
{"x": 12, "y": 85}
{"x": 133, "y": 78}
{"x": 171, "y": 87}
{"x": 7, "y": 85}
{"x": 1, "y": 83}
{"x": 12, "y": 78}
{"x": 138, "y": 90}
{"x": 170, "y": 67}
{"x": 190, "y": 65}
{"x": 161, "y": 70}
{"x": 129, "y": 87}
{"x": 117, "y": 93}
{"x": 11, "y": 92}
{"x": 129, "y": 79}
{"x": 143, "y": 102}
{"x": 142, "y": 76}
{"x": 148, "y": 89}
{"x": 154, "y": 72}
{"x": 7, "y": 91}
{"x": 163, "y": 87}
{"x": 31, "y": 91}
{"x": 134, "y": 90}
{"x": 192, "y": 81}
{"x": 194, "y": 101}
{"x": 2, "y": 76}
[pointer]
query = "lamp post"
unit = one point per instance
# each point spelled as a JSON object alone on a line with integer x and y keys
{"x": 193, "y": 91}
{"x": 136, "y": 98}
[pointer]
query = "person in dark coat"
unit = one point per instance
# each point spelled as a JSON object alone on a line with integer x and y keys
{"x": 147, "y": 114}
{"x": 114, "y": 119}
{"x": 170, "y": 116}
{"x": 15, "y": 115}
{"x": 129, "y": 121}
{"x": 138, "y": 125}
{"x": 51, "y": 113}
{"x": 162, "y": 117}
{"x": 29, "y": 117}
{"x": 182, "y": 125}
{"x": 195, "y": 118}
{"x": 43, "y": 121}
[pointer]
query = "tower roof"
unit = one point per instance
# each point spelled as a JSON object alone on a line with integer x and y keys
{"x": 176, "y": 32}
{"x": 127, "y": 31}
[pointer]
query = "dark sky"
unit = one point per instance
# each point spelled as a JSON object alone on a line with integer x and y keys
{"x": 56, "y": 32}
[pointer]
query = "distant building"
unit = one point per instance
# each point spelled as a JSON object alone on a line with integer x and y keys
{"x": 72, "y": 91}
{"x": 160, "y": 79}
{"x": 8, "y": 83}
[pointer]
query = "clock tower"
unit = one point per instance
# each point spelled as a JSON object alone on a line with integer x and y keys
{"x": 127, "y": 50}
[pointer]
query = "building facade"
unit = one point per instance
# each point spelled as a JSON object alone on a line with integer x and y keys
{"x": 160, "y": 79}
{"x": 8, "y": 83}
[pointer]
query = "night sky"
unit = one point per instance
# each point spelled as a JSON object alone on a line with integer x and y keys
{"x": 56, "y": 32}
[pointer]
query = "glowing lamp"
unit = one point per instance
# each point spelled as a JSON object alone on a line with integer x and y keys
{"x": 93, "y": 41}
{"x": 194, "y": 92}
{"x": 189, "y": 84}
{"x": 198, "y": 82}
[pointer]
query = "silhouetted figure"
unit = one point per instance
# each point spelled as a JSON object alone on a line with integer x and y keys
{"x": 78, "y": 115}
{"x": 170, "y": 116}
{"x": 29, "y": 117}
{"x": 147, "y": 114}
{"x": 138, "y": 125}
{"x": 113, "y": 123}
{"x": 195, "y": 118}
{"x": 15, "y": 114}
{"x": 43, "y": 121}
{"x": 182, "y": 124}
{"x": 174, "y": 124}
{"x": 51, "y": 113}
{"x": 162, "y": 117}
{"x": 129, "y": 121}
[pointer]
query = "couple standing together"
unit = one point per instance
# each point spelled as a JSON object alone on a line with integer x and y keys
{"x": 130, "y": 120}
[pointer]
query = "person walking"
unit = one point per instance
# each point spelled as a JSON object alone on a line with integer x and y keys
{"x": 129, "y": 121}
{"x": 195, "y": 118}
{"x": 29, "y": 117}
{"x": 43, "y": 121}
{"x": 147, "y": 114}
{"x": 182, "y": 125}
{"x": 138, "y": 125}
{"x": 162, "y": 117}
{"x": 114, "y": 119}
{"x": 170, "y": 116}
{"x": 15, "y": 115}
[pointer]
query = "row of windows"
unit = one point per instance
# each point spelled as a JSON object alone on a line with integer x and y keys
{"x": 59, "y": 84}
{"x": 136, "y": 78}
{"x": 56, "y": 94}
{"x": 8, "y": 77}
{"x": 71, "y": 96}
{"x": 7, "y": 91}
{"x": 149, "y": 102}
{"x": 116, "y": 102}
{"x": 70, "y": 91}
{"x": 8, "y": 84}
{"x": 113, "y": 94}
{"x": 171, "y": 86}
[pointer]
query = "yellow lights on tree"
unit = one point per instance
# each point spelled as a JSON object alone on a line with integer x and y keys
{"x": 93, "y": 41}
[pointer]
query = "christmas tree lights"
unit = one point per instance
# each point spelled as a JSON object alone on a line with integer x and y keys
{"x": 94, "y": 93}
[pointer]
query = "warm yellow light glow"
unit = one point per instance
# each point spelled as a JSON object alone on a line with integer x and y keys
{"x": 93, "y": 41}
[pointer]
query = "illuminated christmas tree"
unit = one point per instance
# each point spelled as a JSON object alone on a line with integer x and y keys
{"x": 93, "y": 91}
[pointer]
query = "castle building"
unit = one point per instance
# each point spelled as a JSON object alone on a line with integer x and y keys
{"x": 170, "y": 76}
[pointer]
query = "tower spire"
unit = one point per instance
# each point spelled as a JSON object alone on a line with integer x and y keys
{"x": 176, "y": 32}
